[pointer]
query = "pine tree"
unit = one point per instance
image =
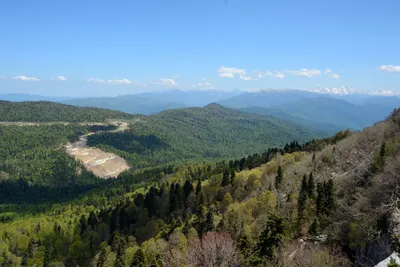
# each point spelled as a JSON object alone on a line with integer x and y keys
{"x": 115, "y": 243}
{"x": 120, "y": 260}
{"x": 302, "y": 198}
{"x": 330, "y": 198}
{"x": 198, "y": 187}
{"x": 225, "y": 178}
{"x": 233, "y": 175}
{"x": 102, "y": 257}
{"x": 271, "y": 238}
{"x": 83, "y": 223}
{"x": 209, "y": 223}
{"x": 138, "y": 259}
{"x": 311, "y": 186}
{"x": 48, "y": 255}
{"x": 314, "y": 227}
{"x": 199, "y": 223}
{"x": 279, "y": 177}
{"x": 187, "y": 189}
{"x": 320, "y": 199}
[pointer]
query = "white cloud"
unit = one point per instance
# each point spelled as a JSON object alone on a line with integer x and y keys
{"x": 205, "y": 85}
{"x": 61, "y": 78}
{"x": 226, "y": 75}
{"x": 276, "y": 75}
{"x": 114, "y": 81}
{"x": 335, "y": 76}
{"x": 390, "y": 68}
{"x": 245, "y": 78}
{"x": 305, "y": 72}
{"x": 168, "y": 81}
{"x": 165, "y": 81}
{"x": 225, "y": 72}
{"x": 3, "y": 77}
{"x": 25, "y": 78}
{"x": 330, "y": 73}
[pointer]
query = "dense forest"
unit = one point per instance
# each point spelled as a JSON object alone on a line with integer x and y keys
{"x": 205, "y": 133}
{"x": 325, "y": 202}
{"x": 34, "y": 168}
{"x": 53, "y": 112}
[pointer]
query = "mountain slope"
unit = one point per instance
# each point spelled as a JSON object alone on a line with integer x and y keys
{"x": 200, "y": 133}
{"x": 133, "y": 104}
{"x": 266, "y": 98}
{"x": 55, "y": 112}
{"x": 301, "y": 120}
{"x": 27, "y": 97}
{"x": 336, "y": 111}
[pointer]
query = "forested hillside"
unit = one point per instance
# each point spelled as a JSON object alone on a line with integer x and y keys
{"x": 34, "y": 168}
{"x": 317, "y": 204}
{"x": 53, "y": 112}
{"x": 200, "y": 133}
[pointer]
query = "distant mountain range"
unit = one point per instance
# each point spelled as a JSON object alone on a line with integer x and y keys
{"x": 327, "y": 108}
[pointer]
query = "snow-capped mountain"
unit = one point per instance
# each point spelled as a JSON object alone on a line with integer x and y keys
{"x": 345, "y": 90}
{"x": 384, "y": 93}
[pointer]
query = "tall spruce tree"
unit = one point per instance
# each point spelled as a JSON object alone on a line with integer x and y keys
{"x": 311, "y": 186}
{"x": 138, "y": 259}
{"x": 279, "y": 177}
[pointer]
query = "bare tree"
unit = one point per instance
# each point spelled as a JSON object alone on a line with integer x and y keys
{"x": 213, "y": 250}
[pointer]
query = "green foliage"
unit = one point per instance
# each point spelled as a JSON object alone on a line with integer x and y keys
{"x": 53, "y": 112}
{"x": 326, "y": 201}
{"x": 138, "y": 259}
{"x": 34, "y": 168}
{"x": 198, "y": 133}
{"x": 379, "y": 161}
{"x": 272, "y": 237}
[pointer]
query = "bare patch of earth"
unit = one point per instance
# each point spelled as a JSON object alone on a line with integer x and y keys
{"x": 102, "y": 164}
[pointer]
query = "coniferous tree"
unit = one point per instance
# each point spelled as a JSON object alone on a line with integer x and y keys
{"x": 225, "y": 178}
{"x": 302, "y": 198}
{"x": 83, "y": 223}
{"x": 138, "y": 259}
{"x": 120, "y": 260}
{"x": 209, "y": 223}
{"x": 271, "y": 238}
{"x": 198, "y": 187}
{"x": 48, "y": 255}
{"x": 233, "y": 175}
{"x": 115, "y": 243}
{"x": 314, "y": 228}
{"x": 187, "y": 189}
{"x": 320, "y": 199}
{"x": 102, "y": 257}
{"x": 311, "y": 186}
{"x": 279, "y": 177}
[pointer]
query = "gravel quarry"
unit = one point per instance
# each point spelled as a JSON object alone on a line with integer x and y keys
{"x": 102, "y": 164}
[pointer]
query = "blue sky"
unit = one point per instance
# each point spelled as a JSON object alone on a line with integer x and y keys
{"x": 98, "y": 48}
